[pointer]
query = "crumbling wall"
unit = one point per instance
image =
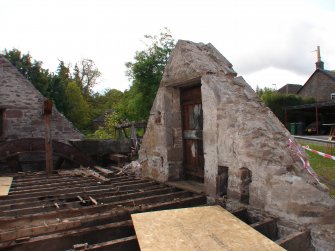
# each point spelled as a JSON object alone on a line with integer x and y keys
{"x": 244, "y": 134}
{"x": 239, "y": 134}
{"x": 161, "y": 150}
{"x": 22, "y": 106}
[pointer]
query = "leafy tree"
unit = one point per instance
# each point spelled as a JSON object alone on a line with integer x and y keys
{"x": 78, "y": 110}
{"x": 146, "y": 73}
{"x": 108, "y": 130}
{"x": 278, "y": 101}
{"x": 57, "y": 87}
{"x": 21, "y": 61}
{"x": 110, "y": 99}
{"x": 86, "y": 75}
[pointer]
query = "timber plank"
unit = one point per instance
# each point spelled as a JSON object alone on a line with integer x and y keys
{"x": 30, "y": 220}
{"x": 82, "y": 189}
{"x": 104, "y": 170}
{"x": 17, "y": 203}
{"x": 40, "y": 187}
{"x": 121, "y": 201}
{"x": 46, "y": 181}
{"x": 5, "y": 185}
{"x": 123, "y": 244}
{"x": 267, "y": 227}
{"x": 8, "y": 222}
{"x": 219, "y": 230}
{"x": 92, "y": 173}
{"x": 66, "y": 239}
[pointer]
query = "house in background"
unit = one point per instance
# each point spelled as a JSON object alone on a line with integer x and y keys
{"x": 320, "y": 85}
{"x": 289, "y": 89}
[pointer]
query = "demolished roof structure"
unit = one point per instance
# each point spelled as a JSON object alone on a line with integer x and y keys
{"x": 206, "y": 125}
{"x": 209, "y": 126}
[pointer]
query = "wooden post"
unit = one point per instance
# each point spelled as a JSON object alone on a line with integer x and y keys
{"x": 48, "y": 139}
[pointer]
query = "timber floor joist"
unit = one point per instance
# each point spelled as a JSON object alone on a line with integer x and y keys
{"x": 64, "y": 211}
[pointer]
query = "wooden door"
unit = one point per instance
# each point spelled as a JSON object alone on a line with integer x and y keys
{"x": 192, "y": 119}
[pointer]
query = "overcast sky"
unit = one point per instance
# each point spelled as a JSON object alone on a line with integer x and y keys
{"x": 269, "y": 42}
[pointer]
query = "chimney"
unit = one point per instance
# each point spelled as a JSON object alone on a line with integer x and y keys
{"x": 319, "y": 64}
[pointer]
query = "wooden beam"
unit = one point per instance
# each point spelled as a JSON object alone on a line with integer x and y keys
{"x": 91, "y": 173}
{"x": 52, "y": 186}
{"x": 54, "y": 225}
{"x": 21, "y": 220}
{"x": 70, "y": 200}
{"x": 242, "y": 214}
{"x": 267, "y": 227}
{"x": 66, "y": 239}
{"x": 80, "y": 190}
{"x": 129, "y": 202}
{"x": 98, "y": 192}
{"x": 48, "y": 139}
{"x": 122, "y": 244}
{"x": 296, "y": 241}
{"x": 51, "y": 180}
{"x": 104, "y": 171}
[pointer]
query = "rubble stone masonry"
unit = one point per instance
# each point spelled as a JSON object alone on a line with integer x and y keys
{"x": 240, "y": 135}
{"x": 21, "y": 106}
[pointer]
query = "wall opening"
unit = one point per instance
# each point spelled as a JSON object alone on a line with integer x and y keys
{"x": 246, "y": 178}
{"x": 222, "y": 181}
{"x": 192, "y": 125}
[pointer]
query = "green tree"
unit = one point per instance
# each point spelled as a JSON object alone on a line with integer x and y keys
{"x": 146, "y": 73}
{"x": 57, "y": 87}
{"x": 78, "y": 110}
{"x": 110, "y": 99}
{"x": 108, "y": 130}
{"x": 86, "y": 75}
{"x": 278, "y": 101}
{"x": 21, "y": 61}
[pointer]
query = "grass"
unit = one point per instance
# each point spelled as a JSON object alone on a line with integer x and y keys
{"x": 324, "y": 167}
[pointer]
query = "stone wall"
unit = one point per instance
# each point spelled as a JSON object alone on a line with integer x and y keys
{"x": 240, "y": 135}
{"x": 22, "y": 106}
{"x": 319, "y": 86}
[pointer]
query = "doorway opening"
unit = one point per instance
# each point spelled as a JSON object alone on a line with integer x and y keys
{"x": 192, "y": 131}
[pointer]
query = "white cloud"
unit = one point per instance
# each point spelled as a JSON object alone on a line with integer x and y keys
{"x": 268, "y": 42}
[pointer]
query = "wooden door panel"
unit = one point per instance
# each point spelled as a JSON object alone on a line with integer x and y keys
{"x": 192, "y": 119}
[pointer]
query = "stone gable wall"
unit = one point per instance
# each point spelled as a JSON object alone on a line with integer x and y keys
{"x": 242, "y": 139}
{"x": 320, "y": 86}
{"x": 22, "y": 106}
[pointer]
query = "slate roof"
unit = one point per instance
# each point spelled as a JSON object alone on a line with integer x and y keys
{"x": 289, "y": 89}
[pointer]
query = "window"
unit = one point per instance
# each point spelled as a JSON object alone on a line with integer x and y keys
{"x": 332, "y": 96}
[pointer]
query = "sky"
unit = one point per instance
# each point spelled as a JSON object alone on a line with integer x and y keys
{"x": 269, "y": 42}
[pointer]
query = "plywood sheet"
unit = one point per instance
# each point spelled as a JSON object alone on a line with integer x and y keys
{"x": 199, "y": 228}
{"x": 5, "y": 183}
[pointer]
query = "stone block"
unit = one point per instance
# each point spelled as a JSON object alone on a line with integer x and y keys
{"x": 13, "y": 114}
